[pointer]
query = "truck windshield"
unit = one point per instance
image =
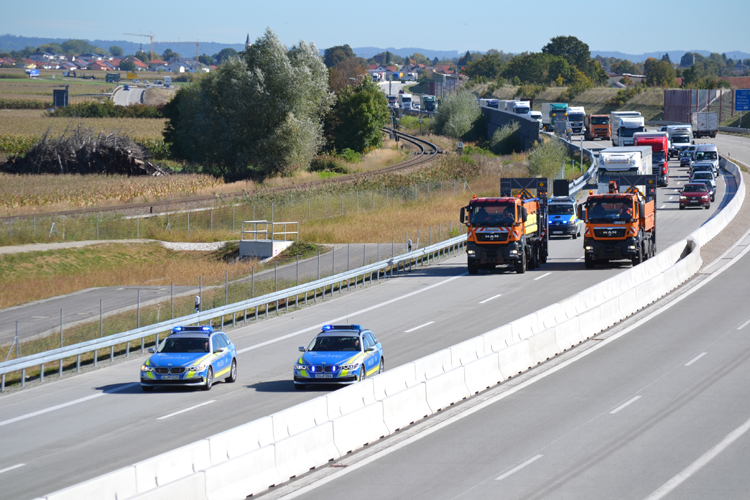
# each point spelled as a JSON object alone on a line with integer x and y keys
{"x": 521, "y": 111}
{"x": 495, "y": 214}
{"x": 600, "y": 120}
{"x": 576, "y": 117}
{"x": 705, "y": 155}
{"x": 628, "y": 132}
{"x": 610, "y": 209}
{"x": 658, "y": 157}
{"x": 681, "y": 139}
{"x": 555, "y": 209}
{"x": 406, "y": 99}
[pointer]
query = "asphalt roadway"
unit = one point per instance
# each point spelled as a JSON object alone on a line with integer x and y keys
{"x": 127, "y": 97}
{"x": 69, "y": 430}
{"x": 655, "y": 408}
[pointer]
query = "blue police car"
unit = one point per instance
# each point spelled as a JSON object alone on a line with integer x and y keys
{"x": 192, "y": 356}
{"x": 562, "y": 217}
{"x": 339, "y": 354}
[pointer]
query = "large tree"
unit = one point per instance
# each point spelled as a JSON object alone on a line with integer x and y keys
{"x": 256, "y": 116}
{"x": 659, "y": 73}
{"x": 359, "y": 114}
{"x": 78, "y": 47}
{"x": 334, "y": 55}
{"x": 537, "y": 68}
{"x": 347, "y": 72}
{"x": 116, "y": 51}
{"x": 224, "y": 54}
{"x": 570, "y": 48}
{"x": 127, "y": 66}
{"x": 490, "y": 66}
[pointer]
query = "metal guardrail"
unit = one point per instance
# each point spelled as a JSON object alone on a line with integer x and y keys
{"x": 264, "y": 230}
{"x": 448, "y": 247}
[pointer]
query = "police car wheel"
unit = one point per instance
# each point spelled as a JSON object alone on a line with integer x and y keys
{"x": 209, "y": 380}
{"x": 575, "y": 234}
{"x": 381, "y": 369}
{"x": 362, "y": 374}
{"x": 232, "y": 373}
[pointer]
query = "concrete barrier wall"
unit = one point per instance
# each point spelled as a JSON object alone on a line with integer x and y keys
{"x": 496, "y": 119}
{"x": 249, "y": 459}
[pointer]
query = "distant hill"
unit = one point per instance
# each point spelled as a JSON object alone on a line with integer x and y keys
{"x": 368, "y": 52}
{"x": 674, "y": 55}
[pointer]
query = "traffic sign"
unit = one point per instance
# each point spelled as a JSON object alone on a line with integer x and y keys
{"x": 420, "y": 121}
{"x": 742, "y": 100}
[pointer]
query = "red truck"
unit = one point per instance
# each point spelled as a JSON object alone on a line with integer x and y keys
{"x": 659, "y": 142}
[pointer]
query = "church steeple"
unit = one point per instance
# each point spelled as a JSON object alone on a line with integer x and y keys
{"x": 247, "y": 42}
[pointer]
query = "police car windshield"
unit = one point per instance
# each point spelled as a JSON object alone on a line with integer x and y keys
{"x": 555, "y": 209}
{"x": 615, "y": 209}
{"x": 335, "y": 344}
{"x": 496, "y": 214}
{"x": 178, "y": 344}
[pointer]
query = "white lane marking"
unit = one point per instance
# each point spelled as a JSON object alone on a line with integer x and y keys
{"x": 493, "y": 297}
{"x": 11, "y": 468}
{"x": 65, "y": 405}
{"x": 542, "y": 276}
{"x": 663, "y": 206}
{"x": 691, "y": 469}
{"x": 526, "y": 383}
{"x": 743, "y": 325}
{"x": 418, "y": 327}
{"x": 671, "y": 198}
{"x": 699, "y": 356}
{"x": 343, "y": 318}
{"x": 625, "y": 404}
{"x": 519, "y": 467}
{"x": 186, "y": 409}
{"x": 580, "y": 258}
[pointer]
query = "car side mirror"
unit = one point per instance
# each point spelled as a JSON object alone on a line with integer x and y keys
{"x": 370, "y": 349}
{"x": 302, "y": 349}
{"x": 218, "y": 350}
{"x": 151, "y": 350}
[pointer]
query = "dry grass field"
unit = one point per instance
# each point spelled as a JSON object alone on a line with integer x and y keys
{"x": 31, "y": 122}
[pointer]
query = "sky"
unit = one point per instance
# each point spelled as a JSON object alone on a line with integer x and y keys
{"x": 632, "y": 26}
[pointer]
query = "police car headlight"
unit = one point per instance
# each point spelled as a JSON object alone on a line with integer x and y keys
{"x": 145, "y": 368}
{"x": 353, "y": 366}
{"x": 300, "y": 367}
{"x": 197, "y": 368}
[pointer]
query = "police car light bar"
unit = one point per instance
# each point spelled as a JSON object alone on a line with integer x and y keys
{"x": 342, "y": 327}
{"x": 207, "y": 329}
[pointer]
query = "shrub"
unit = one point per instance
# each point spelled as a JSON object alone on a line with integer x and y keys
{"x": 24, "y": 104}
{"x": 457, "y": 114}
{"x": 546, "y": 159}
{"x": 506, "y": 139}
{"x": 107, "y": 109}
{"x": 351, "y": 156}
{"x": 16, "y": 145}
{"x": 328, "y": 163}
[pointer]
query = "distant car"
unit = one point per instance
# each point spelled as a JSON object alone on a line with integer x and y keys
{"x": 415, "y": 105}
{"x": 562, "y": 217}
{"x": 686, "y": 156}
{"x": 400, "y": 91}
{"x": 695, "y": 195}
{"x": 126, "y": 87}
{"x": 701, "y": 167}
{"x": 339, "y": 354}
{"x": 193, "y": 356}
{"x": 708, "y": 178}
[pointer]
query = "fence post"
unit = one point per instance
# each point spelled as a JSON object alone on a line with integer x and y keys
{"x": 138, "y": 310}
{"x": 101, "y": 318}
{"x": 171, "y": 294}
{"x": 296, "y": 283}
{"x": 252, "y": 284}
{"x": 226, "y": 289}
{"x": 275, "y": 276}
{"x": 188, "y": 224}
{"x": 318, "y": 264}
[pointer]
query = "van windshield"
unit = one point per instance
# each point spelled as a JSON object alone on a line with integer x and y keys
{"x": 705, "y": 155}
{"x": 681, "y": 139}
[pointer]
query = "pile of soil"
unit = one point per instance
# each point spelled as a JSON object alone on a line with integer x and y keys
{"x": 83, "y": 151}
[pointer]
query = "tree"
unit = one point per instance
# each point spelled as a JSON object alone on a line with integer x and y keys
{"x": 490, "y": 67}
{"x": 144, "y": 57}
{"x": 53, "y": 48}
{"x": 570, "y": 48}
{"x": 624, "y": 66}
{"x": 537, "y": 68}
{"x": 435, "y": 61}
{"x": 225, "y": 54}
{"x": 419, "y": 58}
{"x": 346, "y": 73}
{"x": 256, "y": 116}
{"x": 74, "y": 47}
{"x": 659, "y": 73}
{"x": 457, "y": 114}
{"x": 464, "y": 60}
{"x": 686, "y": 60}
{"x": 127, "y": 66}
{"x": 168, "y": 54}
{"x": 334, "y": 55}
{"x": 666, "y": 58}
{"x": 356, "y": 119}
{"x": 206, "y": 59}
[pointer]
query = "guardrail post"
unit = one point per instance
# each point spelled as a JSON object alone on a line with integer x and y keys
{"x": 41, "y": 373}
{"x": 112, "y": 354}
{"x": 234, "y": 318}
{"x": 23, "y": 377}
{"x": 127, "y": 349}
{"x": 78, "y": 363}
{"x": 96, "y": 355}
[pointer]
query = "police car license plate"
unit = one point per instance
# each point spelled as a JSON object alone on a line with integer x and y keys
{"x": 169, "y": 377}
{"x": 556, "y": 232}
{"x": 324, "y": 375}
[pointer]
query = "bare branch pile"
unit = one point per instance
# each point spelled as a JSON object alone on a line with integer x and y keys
{"x": 84, "y": 152}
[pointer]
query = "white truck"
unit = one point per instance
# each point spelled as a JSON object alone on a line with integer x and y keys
{"x": 404, "y": 101}
{"x": 614, "y": 121}
{"x": 623, "y": 129}
{"x": 522, "y": 108}
{"x": 576, "y": 115}
{"x": 633, "y": 160}
{"x": 680, "y": 137}
{"x": 704, "y": 124}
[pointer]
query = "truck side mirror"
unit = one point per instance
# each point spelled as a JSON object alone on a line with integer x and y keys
{"x": 579, "y": 211}
{"x": 524, "y": 214}
{"x": 464, "y": 218}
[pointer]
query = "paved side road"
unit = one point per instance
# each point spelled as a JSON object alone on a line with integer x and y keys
{"x": 42, "y": 317}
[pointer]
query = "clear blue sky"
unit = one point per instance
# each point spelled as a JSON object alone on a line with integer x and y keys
{"x": 630, "y": 26}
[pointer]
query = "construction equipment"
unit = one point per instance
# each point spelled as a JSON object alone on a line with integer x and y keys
{"x": 511, "y": 229}
{"x": 150, "y": 35}
{"x": 620, "y": 226}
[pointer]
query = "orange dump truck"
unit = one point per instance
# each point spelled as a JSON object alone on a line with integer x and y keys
{"x": 510, "y": 229}
{"x": 620, "y": 226}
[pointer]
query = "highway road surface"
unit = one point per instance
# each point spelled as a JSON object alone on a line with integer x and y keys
{"x": 657, "y": 409}
{"x": 66, "y": 431}
{"x": 128, "y": 97}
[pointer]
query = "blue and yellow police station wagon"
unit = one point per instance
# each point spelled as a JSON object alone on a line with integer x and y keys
{"x": 562, "y": 217}
{"x": 192, "y": 356}
{"x": 339, "y": 354}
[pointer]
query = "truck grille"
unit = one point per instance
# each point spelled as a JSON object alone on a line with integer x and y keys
{"x": 502, "y": 237}
{"x": 609, "y": 232}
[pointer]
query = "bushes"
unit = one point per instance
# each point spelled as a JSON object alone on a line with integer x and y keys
{"x": 506, "y": 140}
{"x": 107, "y": 109}
{"x": 457, "y": 114}
{"x": 546, "y": 159}
{"x": 15, "y": 145}
{"x": 24, "y": 104}
{"x": 328, "y": 163}
{"x": 623, "y": 96}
